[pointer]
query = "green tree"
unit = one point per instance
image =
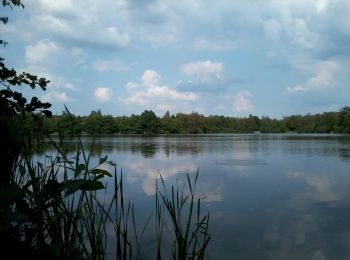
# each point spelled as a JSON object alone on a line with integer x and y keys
{"x": 68, "y": 124}
{"x": 344, "y": 120}
{"x": 92, "y": 123}
{"x": 168, "y": 124}
{"x": 149, "y": 122}
{"x": 14, "y": 107}
{"x": 16, "y": 113}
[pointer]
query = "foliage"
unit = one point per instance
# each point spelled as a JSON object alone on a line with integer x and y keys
{"x": 59, "y": 209}
{"x": 190, "y": 228}
{"x": 148, "y": 123}
{"x": 15, "y": 108}
{"x": 52, "y": 205}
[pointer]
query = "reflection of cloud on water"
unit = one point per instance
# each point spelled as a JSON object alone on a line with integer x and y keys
{"x": 208, "y": 193}
{"x": 147, "y": 175}
{"x": 326, "y": 192}
{"x": 142, "y": 172}
{"x": 243, "y": 154}
{"x": 323, "y": 187}
{"x": 292, "y": 236}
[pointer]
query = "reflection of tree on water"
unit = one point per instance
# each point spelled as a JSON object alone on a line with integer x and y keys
{"x": 147, "y": 147}
{"x": 196, "y": 145}
{"x": 344, "y": 154}
{"x": 148, "y": 150}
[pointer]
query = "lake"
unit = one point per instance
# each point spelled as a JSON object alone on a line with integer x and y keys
{"x": 269, "y": 196}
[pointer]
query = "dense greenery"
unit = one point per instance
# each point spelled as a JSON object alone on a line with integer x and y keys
{"x": 194, "y": 123}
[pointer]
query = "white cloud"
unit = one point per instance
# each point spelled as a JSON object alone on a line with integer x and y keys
{"x": 162, "y": 36}
{"x": 300, "y": 33}
{"x": 59, "y": 7}
{"x": 82, "y": 31}
{"x": 242, "y": 103}
{"x": 41, "y": 52}
{"x": 202, "y": 70}
{"x": 131, "y": 85}
{"x": 56, "y": 97}
{"x": 109, "y": 66}
{"x": 150, "y": 91}
{"x": 321, "y": 5}
{"x": 44, "y": 58}
{"x": 214, "y": 45}
{"x": 150, "y": 78}
{"x": 70, "y": 86}
{"x": 324, "y": 78}
{"x": 103, "y": 94}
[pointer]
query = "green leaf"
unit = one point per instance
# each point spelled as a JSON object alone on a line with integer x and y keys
{"x": 47, "y": 113}
{"x": 79, "y": 169}
{"x": 46, "y": 105}
{"x": 72, "y": 186}
{"x": 53, "y": 188}
{"x": 10, "y": 195}
{"x": 92, "y": 185}
{"x": 102, "y": 172}
{"x": 6, "y": 93}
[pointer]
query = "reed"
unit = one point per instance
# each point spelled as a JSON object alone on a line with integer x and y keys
{"x": 189, "y": 226}
{"x": 58, "y": 204}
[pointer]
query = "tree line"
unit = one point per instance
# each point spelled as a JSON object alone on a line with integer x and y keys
{"x": 148, "y": 123}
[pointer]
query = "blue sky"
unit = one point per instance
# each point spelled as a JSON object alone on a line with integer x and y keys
{"x": 234, "y": 58}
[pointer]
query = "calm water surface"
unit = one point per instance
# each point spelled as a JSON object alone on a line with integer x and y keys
{"x": 269, "y": 196}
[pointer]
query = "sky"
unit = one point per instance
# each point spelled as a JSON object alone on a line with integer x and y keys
{"x": 263, "y": 57}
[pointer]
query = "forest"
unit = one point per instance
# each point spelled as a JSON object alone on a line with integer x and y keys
{"x": 148, "y": 123}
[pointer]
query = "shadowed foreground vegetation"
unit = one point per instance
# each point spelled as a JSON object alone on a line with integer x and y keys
{"x": 194, "y": 123}
{"x": 58, "y": 207}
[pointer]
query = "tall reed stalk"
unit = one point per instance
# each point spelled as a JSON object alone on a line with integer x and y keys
{"x": 189, "y": 227}
{"x": 58, "y": 205}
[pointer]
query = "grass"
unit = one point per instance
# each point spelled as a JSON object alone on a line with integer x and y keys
{"x": 59, "y": 206}
{"x": 190, "y": 228}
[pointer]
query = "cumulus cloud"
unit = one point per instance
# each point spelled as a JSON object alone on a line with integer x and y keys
{"x": 41, "y": 52}
{"x": 109, "y": 66}
{"x": 324, "y": 78}
{"x": 102, "y": 94}
{"x": 242, "y": 102}
{"x": 150, "y": 90}
{"x": 45, "y": 58}
{"x": 131, "y": 85}
{"x": 80, "y": 23}
{"x": 150, "y": 78}
{"x": 202, "y": 70}
{"x": 56, "y": 97}
{"x": 84, "y": 22}
{"x": 300, "y": 33}
{"x": 79, "y": 34}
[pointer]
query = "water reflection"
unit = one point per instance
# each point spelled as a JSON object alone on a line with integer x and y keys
{"x": 145, "y": 173}
{"x": 241, "y": 146}
{"x": 269, "y": 196}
